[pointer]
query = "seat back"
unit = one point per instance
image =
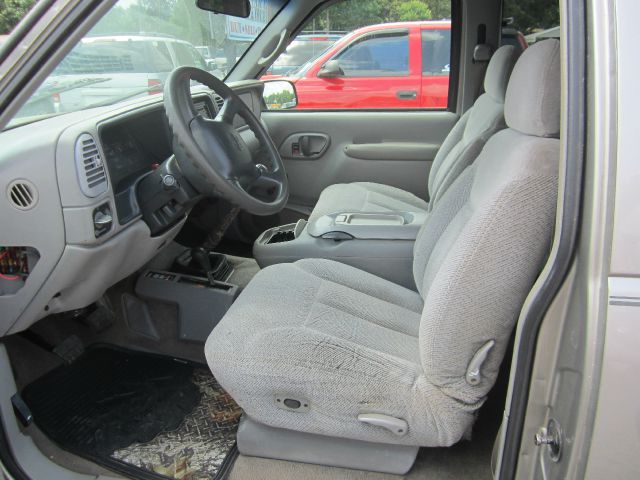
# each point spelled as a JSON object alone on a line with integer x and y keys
{"x": 486, "y": 240}
{"x": 465, "y": 141}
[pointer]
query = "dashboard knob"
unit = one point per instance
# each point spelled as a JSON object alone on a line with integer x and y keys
{"x": 101, "y": 219}
{"x": 169, "y": 182}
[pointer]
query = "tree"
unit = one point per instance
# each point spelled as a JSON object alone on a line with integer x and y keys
{"x": 411, "y": 10}
{"x": 11, "y": 12}
{"x": 440, "y": 9}
{"x": 351, "y": 14}
{"x": 532, "y": 15}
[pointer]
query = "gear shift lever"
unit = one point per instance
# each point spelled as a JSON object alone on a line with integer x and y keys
{"x": 201, "y": 256}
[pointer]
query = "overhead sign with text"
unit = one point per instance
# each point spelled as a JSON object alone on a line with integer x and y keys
{"x": 246, "y": 29}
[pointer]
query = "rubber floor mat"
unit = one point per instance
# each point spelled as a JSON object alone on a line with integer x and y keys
{"x": 141, "y": 414}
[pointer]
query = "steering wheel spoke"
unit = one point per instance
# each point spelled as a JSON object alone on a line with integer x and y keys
{"x": 228, "y": 111}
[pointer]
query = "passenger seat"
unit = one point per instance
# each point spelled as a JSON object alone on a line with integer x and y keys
{"x": 458, "y": 151}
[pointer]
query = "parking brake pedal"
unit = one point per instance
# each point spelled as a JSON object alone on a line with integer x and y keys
{"x": 70, "y": 349}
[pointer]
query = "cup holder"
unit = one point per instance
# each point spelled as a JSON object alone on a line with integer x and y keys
{"x": 279, "y": 237}
{"x": 281, "y": 234}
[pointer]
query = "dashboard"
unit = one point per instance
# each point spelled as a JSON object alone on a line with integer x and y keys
{"x": 132, "y": 146}
{"x": 135, "y": 146}
{"x": 83, "y": 229}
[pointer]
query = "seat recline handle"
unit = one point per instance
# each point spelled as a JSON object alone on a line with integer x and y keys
{"x": 473, "y": 375}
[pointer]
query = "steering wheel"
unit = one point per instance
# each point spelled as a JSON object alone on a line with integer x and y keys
{"x": 211, "y": 152}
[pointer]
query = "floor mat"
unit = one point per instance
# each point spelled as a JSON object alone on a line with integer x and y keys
{"x": 141, "y": 414}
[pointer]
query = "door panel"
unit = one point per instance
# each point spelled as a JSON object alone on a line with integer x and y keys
{"x": 406, "y": 132}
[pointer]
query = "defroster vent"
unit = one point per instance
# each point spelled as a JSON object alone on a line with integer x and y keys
{"x": 89, "y": 165}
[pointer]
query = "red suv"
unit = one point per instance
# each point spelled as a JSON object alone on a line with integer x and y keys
{"x": 392, "y": 65}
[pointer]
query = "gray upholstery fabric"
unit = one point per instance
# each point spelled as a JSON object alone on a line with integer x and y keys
{"x": 340, "y": 338}
{"x": 458, "y": 151}
{"x": 532, "y": 106}
{"x": 498, "y": 72}
{"x": 349, "y": 342}
{"x": 483, "y": 263}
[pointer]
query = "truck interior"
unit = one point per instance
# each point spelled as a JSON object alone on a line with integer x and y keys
{"x": 195, "y": 285}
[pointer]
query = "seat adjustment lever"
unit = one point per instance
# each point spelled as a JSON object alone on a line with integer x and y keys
{"x": 397, "y": 426}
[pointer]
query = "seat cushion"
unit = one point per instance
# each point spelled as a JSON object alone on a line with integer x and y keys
{"x": 342, "y": 339}
{"x": 365, "y": 197}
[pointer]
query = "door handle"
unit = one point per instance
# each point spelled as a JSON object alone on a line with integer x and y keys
{"x": 406, "y": 94}
{"x": 307, "y": 145}
{"x": 311, "y": 145}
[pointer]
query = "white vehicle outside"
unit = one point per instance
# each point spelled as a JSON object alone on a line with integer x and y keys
{"x": 102, "y": 68}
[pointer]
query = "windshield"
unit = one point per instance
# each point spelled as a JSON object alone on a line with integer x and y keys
{"x": 132, "y": 50}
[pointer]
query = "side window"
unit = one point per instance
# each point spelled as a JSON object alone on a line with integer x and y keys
{"x": 370, "y": 54}
{"x": 377, "y": 55}
{"x": 436, "y": 52}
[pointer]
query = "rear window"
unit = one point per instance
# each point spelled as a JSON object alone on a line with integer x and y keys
{"x": 116, "y": 57}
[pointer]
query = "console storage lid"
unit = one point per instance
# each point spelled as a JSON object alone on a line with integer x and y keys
{"x": 371, "y": 226}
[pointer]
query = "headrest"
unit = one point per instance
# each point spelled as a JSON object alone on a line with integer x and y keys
{"x": 498, "y": 72}
{"x": 532, "y": 105}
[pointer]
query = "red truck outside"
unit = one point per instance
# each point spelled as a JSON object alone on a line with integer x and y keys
{"x": 386, "y": 66}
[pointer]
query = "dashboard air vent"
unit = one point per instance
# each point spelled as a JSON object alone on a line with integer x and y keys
{"x": 22, "y": 194}
{"x": 219, "y": 101}
{"x": 89, "y": 166}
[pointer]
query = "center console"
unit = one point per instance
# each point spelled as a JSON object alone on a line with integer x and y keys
{"x": 198, "y": 283}
{"x": 379, "y": 243}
